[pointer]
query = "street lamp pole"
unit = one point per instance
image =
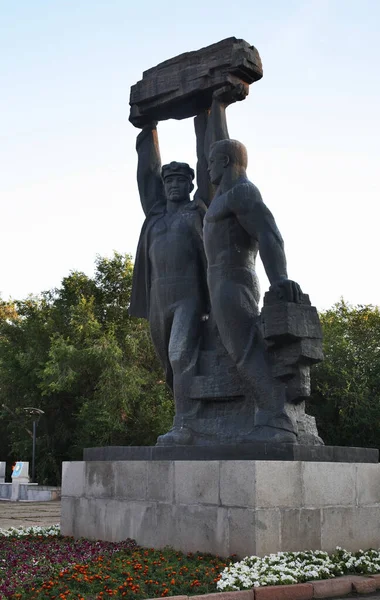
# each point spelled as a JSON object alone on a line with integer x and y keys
{"x": 36, "y": 413}
{"x": 34, "y": 449}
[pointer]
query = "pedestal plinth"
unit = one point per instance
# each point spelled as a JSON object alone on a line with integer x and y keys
{"x": 224, "y": 506}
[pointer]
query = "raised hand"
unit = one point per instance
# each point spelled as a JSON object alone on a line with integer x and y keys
{"x": 142, "y": 121}
{"x": 231, "y": 93}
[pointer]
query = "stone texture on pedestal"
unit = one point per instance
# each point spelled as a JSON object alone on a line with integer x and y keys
{"x": 224, "y": 507}
{"x": 248, "y": 451}
{"x": 5, "y": 491}
{"x": 2, "y": 471}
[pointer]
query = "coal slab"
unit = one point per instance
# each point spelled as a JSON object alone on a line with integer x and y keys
{"x": 252, "y": 451}
{"x": 183, "y": 86}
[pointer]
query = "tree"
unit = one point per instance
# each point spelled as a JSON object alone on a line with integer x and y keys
{"x": 346, "y": 386}
{"x": 75, "y": 353}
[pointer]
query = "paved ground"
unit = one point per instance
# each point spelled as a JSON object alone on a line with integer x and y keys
{"x": 17, "y": 514}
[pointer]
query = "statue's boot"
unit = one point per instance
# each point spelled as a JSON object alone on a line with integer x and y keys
{"x": 273, "y": 434}
{"x": 176, "y": 436}
{"x": 274, "y": 427}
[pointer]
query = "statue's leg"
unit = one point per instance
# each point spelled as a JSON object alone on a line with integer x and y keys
{"x": 160, "y": 322}
{"x": 184, "y": 349}
{"x": 234, "y": 307}
{"x": 183, "y": 353}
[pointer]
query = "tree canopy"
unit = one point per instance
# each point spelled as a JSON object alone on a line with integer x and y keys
{"x": 346, "y": 386}
{"x": 75, "y": 353}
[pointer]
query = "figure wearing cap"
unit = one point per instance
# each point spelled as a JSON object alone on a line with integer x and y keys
{"x": 170, "y": 274}
{"x": 178, "y": 168}
{"x": 169, "y": 281}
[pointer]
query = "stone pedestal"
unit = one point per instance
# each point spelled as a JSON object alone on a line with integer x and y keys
{"x": 224, "y": 506}
{"x": 2, "y": 471}
{"x": 20, "y": 473}
{"x": 20, "y": 476}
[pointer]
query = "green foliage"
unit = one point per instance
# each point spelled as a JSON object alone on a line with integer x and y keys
{"x": 346, "y": 386}
{"x": 75, "y": 353}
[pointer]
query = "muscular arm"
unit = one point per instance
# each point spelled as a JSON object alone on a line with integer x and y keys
{"x": 210, "y": 126}
{"x": 256, "y": 218}
{"x": 149, "y": 179}
{"x": 205, "y": 190}
{"x": 271, "y": 247}
{"x": 258, "y": 221}
{"x": 216, "y": 125}
{"x": 217, "y": 129}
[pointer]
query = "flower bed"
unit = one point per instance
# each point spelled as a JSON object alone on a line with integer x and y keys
{"x": 286, "y": 568}
{"x": 35, "y": 564}
{"x": 17, "y": 532}
{"x": 29, "y": 557}
{"x": 38, "y": 563}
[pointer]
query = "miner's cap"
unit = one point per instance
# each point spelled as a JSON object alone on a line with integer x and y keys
{"x": 179, "y": 168}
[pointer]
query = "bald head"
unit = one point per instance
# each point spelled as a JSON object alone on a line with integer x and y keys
{"x": 236, "y": 151}
{"x": 226, "y": 154}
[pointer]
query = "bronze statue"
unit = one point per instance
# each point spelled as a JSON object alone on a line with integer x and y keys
{"x": 237, "y": 375}
{"x": 170, "y": 261}
{"x": 238, "y": 225}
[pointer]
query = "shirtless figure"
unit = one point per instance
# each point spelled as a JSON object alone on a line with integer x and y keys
{"x": 237, "y": 226}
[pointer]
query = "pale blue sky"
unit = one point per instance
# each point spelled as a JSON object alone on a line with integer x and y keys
{"x": 311, "y": 126}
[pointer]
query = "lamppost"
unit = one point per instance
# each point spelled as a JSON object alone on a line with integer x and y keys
{"x": 36, "y": 413}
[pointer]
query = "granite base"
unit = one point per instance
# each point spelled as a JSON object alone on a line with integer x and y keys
{"x": 251, "y": 451}
{"x": 241, "y": 507}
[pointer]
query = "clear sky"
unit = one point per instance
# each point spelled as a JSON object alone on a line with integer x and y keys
{"x": 311, "y": 126}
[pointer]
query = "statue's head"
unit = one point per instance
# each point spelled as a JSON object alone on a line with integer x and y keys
{"x": 226, "y": 154}
{"x": 178, "y": 181}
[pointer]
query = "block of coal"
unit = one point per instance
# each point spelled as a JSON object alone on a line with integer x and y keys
{"x": 293, "y": 334}
{"x": 182, "y": 86}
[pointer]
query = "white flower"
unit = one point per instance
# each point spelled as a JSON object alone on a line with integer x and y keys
{"x": 294, "y": 567}
{"x": 51, "y": 530}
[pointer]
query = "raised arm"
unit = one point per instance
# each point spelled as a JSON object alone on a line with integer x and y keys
{"x": 205, "y": 189}
{"x": 149, "y": 179}
{"x": 217, "y": 121}
{"x": 211, "y": 126}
